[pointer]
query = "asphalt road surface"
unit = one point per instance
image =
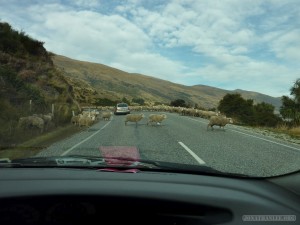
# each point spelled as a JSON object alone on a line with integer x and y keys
{"x": 186, "y": 140}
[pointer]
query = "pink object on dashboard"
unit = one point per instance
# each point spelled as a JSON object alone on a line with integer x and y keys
{"x": 120, "y": 155}
{"x": 120, "y": 171}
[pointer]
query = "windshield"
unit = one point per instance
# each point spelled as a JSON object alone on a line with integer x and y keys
{"x": 201, "y": 85}
{"x": 122, "y": 105}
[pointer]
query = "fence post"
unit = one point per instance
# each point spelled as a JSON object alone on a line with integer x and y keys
{"x": 52, "y": 110}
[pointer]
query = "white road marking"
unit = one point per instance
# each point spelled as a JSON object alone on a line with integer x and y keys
{"x": 267, "y": 140}
{"x": 273, "y": 142}
{"x": 70, "y": 149}
{"x": 200, "y": 161}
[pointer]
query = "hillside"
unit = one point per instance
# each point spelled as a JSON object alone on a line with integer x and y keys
{"x": 115, "y": 84}
{"x": 257, "y": 97}
{"x": 29, "y": 84}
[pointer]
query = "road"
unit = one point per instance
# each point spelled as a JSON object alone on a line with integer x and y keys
{"x": 186, "y": 140}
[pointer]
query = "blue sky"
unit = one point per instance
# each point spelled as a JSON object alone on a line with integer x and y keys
{"x": 231, "y": 44}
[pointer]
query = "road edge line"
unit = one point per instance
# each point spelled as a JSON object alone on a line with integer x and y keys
{"x": 70, "y": 149}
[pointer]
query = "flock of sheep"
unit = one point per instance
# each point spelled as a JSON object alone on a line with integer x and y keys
{"x": 152, "y": 119}
{"x": 87, "y": 118}
{"x": 215, "y": 119}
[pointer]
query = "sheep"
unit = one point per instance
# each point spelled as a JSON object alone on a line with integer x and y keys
{"x": 47, "y": 119}
{"x": 219, "y": 121}
{"x": 156, "y": 118}
{"x": 85, "y": 121}
{"x": 134, "y": 118}
{"x": 31, "y": 122}
{"x": 106, "y": 115}
{"x": 75, "y": 120}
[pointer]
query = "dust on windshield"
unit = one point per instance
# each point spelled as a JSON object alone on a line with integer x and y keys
{"x": 205, "y": 85}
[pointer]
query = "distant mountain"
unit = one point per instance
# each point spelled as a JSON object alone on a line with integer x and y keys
{"x": 257, "y": 97}
{"x": 115, "y": 84}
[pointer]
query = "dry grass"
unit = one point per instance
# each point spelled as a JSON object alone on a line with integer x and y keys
{"x": 18, "y": 153}
{"x": 293, "y": 132}
{"x": 32, "y": 147}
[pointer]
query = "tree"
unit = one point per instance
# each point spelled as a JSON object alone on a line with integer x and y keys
{"x": 178, "y": 103}
{"x": 295, "y": 91}
{"x": 264, "y": 115}
{"x": 139, "y": 101}
{"x": 261, "y": 114}
{"x": 290, "y": 108}
{"x": 125, "y": 100}
{"x": 233, "y": 105}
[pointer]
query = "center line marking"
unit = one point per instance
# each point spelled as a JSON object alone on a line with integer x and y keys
{"x": 200, "y": 161}
{"x": 70, "y": 149}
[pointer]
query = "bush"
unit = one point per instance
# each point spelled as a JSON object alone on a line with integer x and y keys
{"x": 262, "y": 114}
{"x": 139, "y": 101}
{"x": 105, "y": 102}
{"x": 178, "y": 103}
{"x": 19, "y": 43}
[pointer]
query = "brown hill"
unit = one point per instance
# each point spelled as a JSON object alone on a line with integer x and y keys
{"x": 29, "y": 84}
{"x": 115, "y": 84}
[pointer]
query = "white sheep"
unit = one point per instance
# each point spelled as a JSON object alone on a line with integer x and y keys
{"x": 46, "y": 117}
{"x": 208, "y": 114}
{"x": 32, "y": 122}
{"x": 156, "y": 118}
{"x": 134, "y": 118}
{"x": 106, "y": 115}
{"x": 219, "y": 121}
{"x": 85, "y": 121}
{"x": 75, "y": 120}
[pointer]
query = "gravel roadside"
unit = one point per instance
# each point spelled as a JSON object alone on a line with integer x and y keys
{"x": 268, "y": 133}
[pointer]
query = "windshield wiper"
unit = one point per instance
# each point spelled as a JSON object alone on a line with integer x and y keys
{"x": 51, "y": 161}
{"x": 75, "y": 161}
{"x": 98, "y": 162}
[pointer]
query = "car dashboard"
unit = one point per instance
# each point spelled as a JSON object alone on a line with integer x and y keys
{"x": 82, "y": 196}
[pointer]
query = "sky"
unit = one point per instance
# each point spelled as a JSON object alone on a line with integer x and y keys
{"x": 252, "y": 45}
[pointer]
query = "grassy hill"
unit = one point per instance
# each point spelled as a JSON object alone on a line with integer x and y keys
{"x": 29, "y": 84}
{"x": 115, "y": 84}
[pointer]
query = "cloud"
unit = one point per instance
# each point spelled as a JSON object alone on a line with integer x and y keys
{"x": 265, "y": 77}
{"x": 109, "y": 39}
{"x": 86, "y": 3}
{"x": 210, "y": 29}
{"x": 76, "y": 32}
{"x": 287, "y": 46}
{"x": 232, "y": 44}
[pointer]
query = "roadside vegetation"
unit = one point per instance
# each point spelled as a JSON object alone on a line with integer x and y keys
{"x": 262, "y": 115}
{"x": 29, "y": 84}
{"x": 245, "y": 112}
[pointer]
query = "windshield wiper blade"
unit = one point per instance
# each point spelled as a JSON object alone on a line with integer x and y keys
{"x": 82, "y": 161}
{"x": 77, "y": 161}
{"x": 191, "y": 169}
{"x": 51, "y": 161}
